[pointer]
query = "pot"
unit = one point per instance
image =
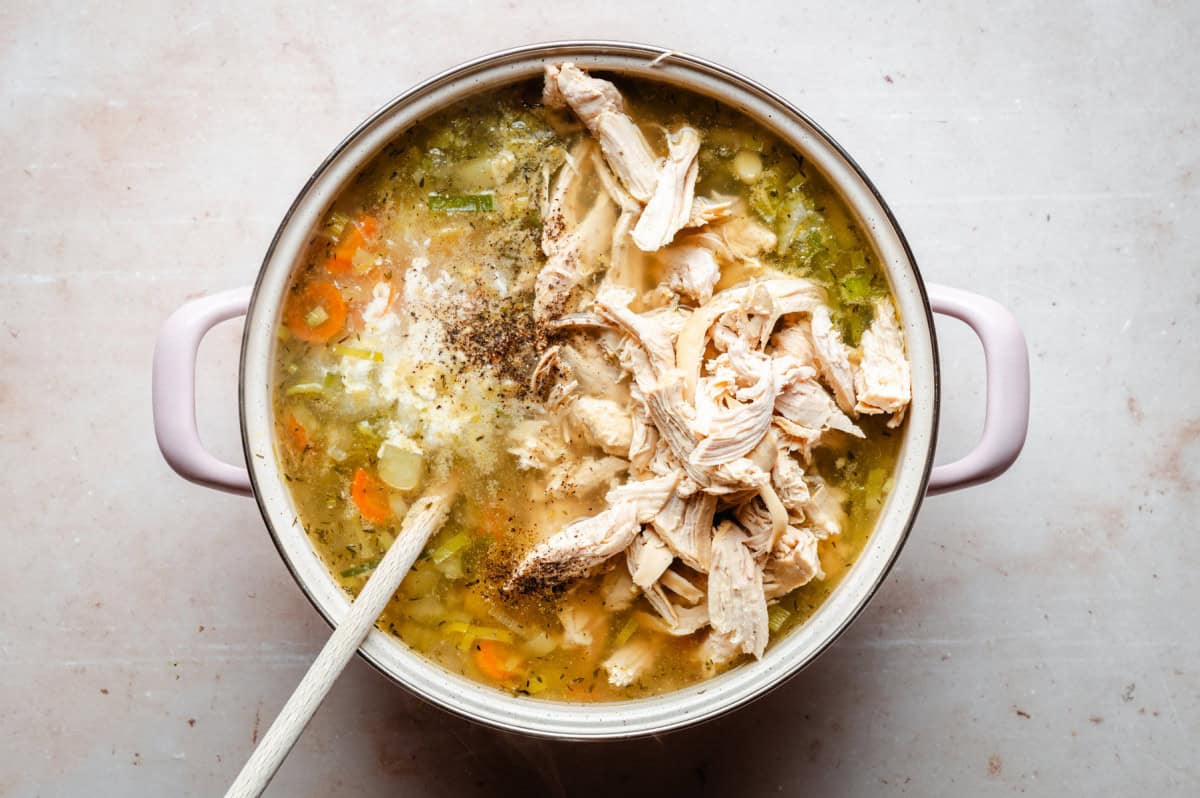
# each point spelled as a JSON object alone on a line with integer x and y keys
{"x": 1003, "y": 435}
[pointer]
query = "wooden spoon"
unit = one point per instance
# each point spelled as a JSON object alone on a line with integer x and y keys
{"x": 423, "y": 519}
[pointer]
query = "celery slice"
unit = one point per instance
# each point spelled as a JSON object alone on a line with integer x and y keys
{"x": 355, "y": 352}
{"x": 450, "y": 547}
{"x": 626, "y": 632}
{"x": 777, "y": 616}
{"x": 304, "y": 389}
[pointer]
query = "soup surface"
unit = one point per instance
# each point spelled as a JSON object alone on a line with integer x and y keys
{"x": 645, "y": 346}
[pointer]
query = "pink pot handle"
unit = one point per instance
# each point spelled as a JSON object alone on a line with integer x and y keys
{"x": 1007, "y": 412}
{"x": 174, "y": 388}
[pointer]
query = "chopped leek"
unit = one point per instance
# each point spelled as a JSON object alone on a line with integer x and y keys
{"x": 471, "y": 633}
{"x": 777, "y": 616}
{"x": 453, "y": 203}
{"x": 361, "y": 354}
{"x": 304, "y": 389}
{"x": 450, "y": 547}
{"x": 626, "y": 632}
{"x": 360, "y": 569}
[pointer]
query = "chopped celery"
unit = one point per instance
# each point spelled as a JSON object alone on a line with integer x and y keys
{"x": 452, "y": 203}
{"x": 777, "y": 616}
{"x": 856, "y": 288}
{"x": 360, "y": 569}
{"x": 450, "y": 547}
{"x": 626, "y": 632}
{"x": 336, "y": 224}
{"x": 355, "y": 352}
{"x": 304, "y": 389}
{"x": 332, "y": 380}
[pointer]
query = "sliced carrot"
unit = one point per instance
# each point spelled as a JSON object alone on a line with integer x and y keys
{"x": 356, "y": 235}
{"x": 496, "y": 660}
{"x": 297, "y": 434}
{"x": 331, "y": 316}
{"x": 370, "y": 497}
{"x": 494, "y": 521}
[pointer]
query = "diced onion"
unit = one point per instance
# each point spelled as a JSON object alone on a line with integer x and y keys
{"x": 399, "y": 467}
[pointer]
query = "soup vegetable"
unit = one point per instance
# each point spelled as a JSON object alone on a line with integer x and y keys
{"x": 647, "y": 345}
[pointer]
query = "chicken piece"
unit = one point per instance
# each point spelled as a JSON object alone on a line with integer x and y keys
{"x": 759, "y": 525}
{"x": 794, "y": 342}
{"x": 734, "y": 423}
{"x": 688, "y": 620}
{"x": 647, "y": 496}
{"x": 736, "y": 607}
{"x": 788, "y": 480}
{"x": 584, "y": 476}
{"x": 584, "y": 625}
{"x": 576, "y": 549}
{"x": 792, "y": 563}
{"x": 746, "y": 237}
{"x": 706, "y": 210}
{"x": 825, "y": 509}
{"x": 630, "y": 662}
{"x": 668, "y": 209}
{"x": 690, "y": 271}
{"x": 643, "y": 439}
{"x": 670, "y": 517}
{"x": 625, "y": 261}
{"x": 808, "y": 404}
{"x": 772, "y": 298}
{"x": 651, "y": 334}
{"x": 882, "y": 381}
{"x": 536, "y": 444}
{"x": 617, "y": 590}
{"x": 599, "y": 106}
{"x": 679, "y": 585}
{"x": 583, "y": 544}
{"x": 603, "y": 423}
{"x": 648, "y": 558}
{"x": 584, "y": 361}
{"x": 719, "y": 648}
{"x": 832, "y": 357}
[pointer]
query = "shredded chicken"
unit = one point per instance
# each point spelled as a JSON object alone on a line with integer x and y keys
{"x": 882, "y": 381}
{"x": 670, "y": 207}
{"x": 704, "y": 407}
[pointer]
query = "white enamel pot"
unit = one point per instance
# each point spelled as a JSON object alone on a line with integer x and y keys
{"x": 1004, "y": 431}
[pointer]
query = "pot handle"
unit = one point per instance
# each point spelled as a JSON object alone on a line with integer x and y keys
{"x": 173, "y": 384}
{"x": 1006, "y": 359}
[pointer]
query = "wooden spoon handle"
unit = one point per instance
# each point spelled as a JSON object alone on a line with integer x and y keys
{"x": 425, "y": 517}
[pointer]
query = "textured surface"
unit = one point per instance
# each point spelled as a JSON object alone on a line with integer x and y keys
{"x": 1038, "y": 633}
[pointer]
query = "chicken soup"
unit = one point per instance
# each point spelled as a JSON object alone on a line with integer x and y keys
{"x": 646, "y": 344}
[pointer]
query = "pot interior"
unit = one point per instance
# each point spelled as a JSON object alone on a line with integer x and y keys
{"x": 699, "y": 701}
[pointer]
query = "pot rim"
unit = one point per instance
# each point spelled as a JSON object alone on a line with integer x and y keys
{"x": 593, "y": 725}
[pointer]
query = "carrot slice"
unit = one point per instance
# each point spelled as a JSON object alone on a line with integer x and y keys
{"x": 370, "y": 497}
{"x": 494, "y": 521}
{"x": 320, "y": 302}
{"x": 297, "y": 434}
{"x": 354, "y": 237}
{"x": 495, "y": 660}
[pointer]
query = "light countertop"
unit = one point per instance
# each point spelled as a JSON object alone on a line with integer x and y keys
{"x": 1039, "y": 633}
